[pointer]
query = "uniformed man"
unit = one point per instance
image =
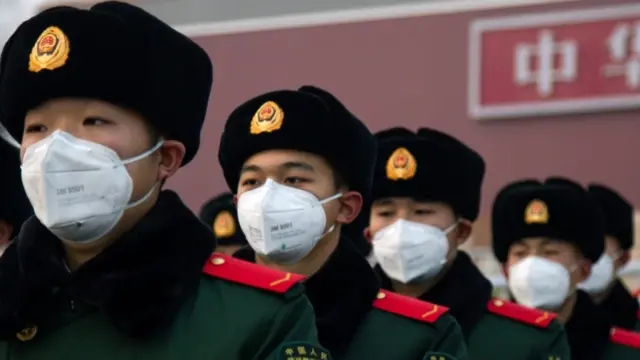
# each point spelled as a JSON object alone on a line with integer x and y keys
{"x": 220, "y": 214}
{"x": 14, "y": 205}
{"x": 603, "y": 284}
{"x": 547, "y": 235}
{"x": 108, "y": 103}
{"x": 300, "y": 164}
{"x": 426, "y": 194}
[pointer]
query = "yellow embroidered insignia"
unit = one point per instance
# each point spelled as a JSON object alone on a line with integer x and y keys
{"x": 27, "y": 334}
{"x": 401, "y": 165}
{"x": 51, "y": 50}
{"x": 224, "y": 225}
{"x": 268, "y": 118}
{"x": 438, "y": 356}
{"x": 302, "y": 350}
{"x": 536, "y": 212}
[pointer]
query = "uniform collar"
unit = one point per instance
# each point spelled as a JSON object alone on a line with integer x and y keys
{"x": 139, "y": 283}
{"x": 463, "y": 289}
{"x": 588, "y": 329}
{"x": 621, "y": 307}
{"x": 342, "y": 293}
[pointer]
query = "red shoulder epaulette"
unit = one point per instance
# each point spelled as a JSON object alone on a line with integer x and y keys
{"x": 625, "y": 338}
{"x": 246, "y": 273}
{"x": 408, "y": 307}
{"x": 521, "y": 313}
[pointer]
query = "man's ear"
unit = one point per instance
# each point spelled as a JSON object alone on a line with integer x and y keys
{"x": 350, "y": 206}
{"x": 505, "y": 270}
{"x": 585, "y": 269}
{"x": 367, "y": 234}
{"x": 172, "y": 153}
{"x": 463, "y": 231}
{"x": 5, "y": 232}
{"x": 235, "y": 199}
{"x": 623, "y": 260}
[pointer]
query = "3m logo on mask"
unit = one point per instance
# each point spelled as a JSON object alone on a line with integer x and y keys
{"x": 401, "y": 165}
{"x": 281, "y": 227}
{"x": 536, "y": 212}
{"x": 69, "y": 190}
{"x": 268, "y": 118}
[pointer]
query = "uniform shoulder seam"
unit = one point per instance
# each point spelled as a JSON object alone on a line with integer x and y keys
{"x": 242, "y": 272}
{"x": 625, "y": 337}
{"x": 519, "y": 313}
{"x": 409, "y": 307}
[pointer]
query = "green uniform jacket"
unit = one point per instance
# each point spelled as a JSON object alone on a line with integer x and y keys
{"x": 357, "y": 321}
{"x": 622, "y": 308}
{"x": 592, "y": 337}
{"x": 494, "y": 329}
{"x": 417, "y": 330}
{"x": 623, "y": 345}
{"x": 523, "y": 334}
{"x": 148, "y": 297}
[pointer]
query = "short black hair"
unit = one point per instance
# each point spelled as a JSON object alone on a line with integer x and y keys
{"x": 339, "y": 181}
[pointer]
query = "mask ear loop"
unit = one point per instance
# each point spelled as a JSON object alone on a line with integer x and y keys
{"x": 450, "y": 228}
{"x": 330, "y": 198}
{"x": 4, "y": 135}
{"x": 140, "y": 157}
{"x": 143, "y": 155}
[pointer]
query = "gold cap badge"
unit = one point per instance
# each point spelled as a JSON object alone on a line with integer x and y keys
{"x": 224, "y": 225}
{"x": 50, "y": 52}
{"x": 401, "y": 165}
{"x": 536, "y": 212}
{"x": 268, "y": 118}
{"x": 27, "y": 334}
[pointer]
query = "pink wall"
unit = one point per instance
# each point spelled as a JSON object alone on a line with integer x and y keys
{"x": 411, "y": 72}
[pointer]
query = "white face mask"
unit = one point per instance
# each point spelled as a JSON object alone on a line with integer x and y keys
{"x": 539, "y": 283}
{"x": 602, "y": 275}
{"x": 79, "y": 189}
{"x": 411, "y": 252}
{"x": 282, "y": 223}
{"x": 371, "y": 259}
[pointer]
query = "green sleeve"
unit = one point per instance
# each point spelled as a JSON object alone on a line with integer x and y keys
{"x": 4, "y": 350}
{"x": 291, "y": 333}
{"x": 558, "y": 348}
{"x": 451, "y": 340}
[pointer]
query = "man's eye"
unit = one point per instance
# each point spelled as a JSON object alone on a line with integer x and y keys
{"x": 519, "y": 253}
{"x": 249, "y": 182}
{"x": 384, "y": 213}
{"x": 35, "y": 128}
{"x": 95, "y": 121}
{"x": 293, "y": 180}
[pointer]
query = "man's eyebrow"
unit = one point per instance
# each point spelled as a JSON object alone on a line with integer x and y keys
{"x": 247, "y": 168}
{"x": 298, "y": 165}
{"x": 548, "y": 241}
{"x": 385, "y": 201}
